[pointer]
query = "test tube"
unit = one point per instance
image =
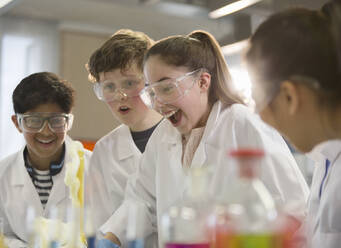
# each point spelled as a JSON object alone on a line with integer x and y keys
{"x": 2, "y": 241}
{"x": 54, "y": 228}
{"x": 33, "y": 239}
{"x": 1, "y": 227}
{"x": 89, "y": 229}
{"x": 136, "y": 222}
{"x": 74, "y": 235}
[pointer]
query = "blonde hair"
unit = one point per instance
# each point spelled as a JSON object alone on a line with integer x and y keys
{"x": 199, "y": 49}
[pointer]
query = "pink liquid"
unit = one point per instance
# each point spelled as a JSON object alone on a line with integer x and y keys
{"x": 177, "y": 245}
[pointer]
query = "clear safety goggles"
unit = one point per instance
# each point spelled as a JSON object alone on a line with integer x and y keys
{"x": 169, "y": 90}
{"x": 35, "y": 122}
{"x": 109, "y": 91}
{"x": 263, "y": 96}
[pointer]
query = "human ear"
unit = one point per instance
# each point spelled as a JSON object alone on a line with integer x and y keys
{"x": 290, "y": 95}
{"x": 204, "y": 81}
{"x": 15, "y": 122}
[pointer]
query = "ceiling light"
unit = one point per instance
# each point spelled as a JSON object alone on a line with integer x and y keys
{"x": 146, "y": 2}
{"x": 3, "y": 3}
{"x": 231, "y": 8}
{"x": 234, "y": 48}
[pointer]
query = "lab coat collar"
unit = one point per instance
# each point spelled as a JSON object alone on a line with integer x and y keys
{"x": 212, "y": 119}
{"x": 58, "y": 191}
{"x": 19, "y": 178}
{"x": 325, "y": 150}
{"x": 126, "y": 147}
{"x": 316, "y": 153}
{"x": 331, "y": 150}
{"x": 200, "y": 155}
{"x": 172, "y": 136}
{"x": 22, "y": 178}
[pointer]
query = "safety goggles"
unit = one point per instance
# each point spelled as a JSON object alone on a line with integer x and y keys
{"x": 263, "y": 96}
{"x": 109, "y": 91}
{"x": 35, "y": 122}
{"x": 169, "y": 90}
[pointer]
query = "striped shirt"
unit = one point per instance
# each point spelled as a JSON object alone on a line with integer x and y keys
{"x": 42, "y": 180}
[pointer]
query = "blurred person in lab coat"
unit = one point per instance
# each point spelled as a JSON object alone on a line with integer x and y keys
{"x": 294, "y": 60}
{"x": 33, "y": 177}
{"x": 188, "y": 82}
{"x": 117, "y": 73}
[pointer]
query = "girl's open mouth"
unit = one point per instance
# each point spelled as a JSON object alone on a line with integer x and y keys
{"x": 175, "y": 117}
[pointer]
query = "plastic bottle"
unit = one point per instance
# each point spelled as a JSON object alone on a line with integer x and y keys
{"x": 54, "y": 231}
{"x": 248, "y": 217}
{"x": 89, "y": 229}
{"x": 33, "y": 239}
{"x": 183, "y": 225}
{"x": 136, "y": 222}
{"x": 74, "y": 235}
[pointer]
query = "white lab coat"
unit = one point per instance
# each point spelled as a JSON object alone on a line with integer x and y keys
{"x": 115, "y": 158}
{"x": 324, "y": 214}
{"x": 17, "y": 193}
{"x": 159, "y": 181}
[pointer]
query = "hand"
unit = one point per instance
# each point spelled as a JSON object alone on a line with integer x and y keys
{"x": 112, "y": 237}
{"x": 106, "y": 243}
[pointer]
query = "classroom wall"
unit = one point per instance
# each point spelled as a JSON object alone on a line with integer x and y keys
{"x": 26, "y": 46}
{"x": 93, "y": 118}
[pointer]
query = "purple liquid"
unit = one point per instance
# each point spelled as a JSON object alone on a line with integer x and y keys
{"x": 177, "y": 245}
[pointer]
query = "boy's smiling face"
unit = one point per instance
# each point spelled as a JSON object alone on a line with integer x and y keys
{"x": 45, "y": 145}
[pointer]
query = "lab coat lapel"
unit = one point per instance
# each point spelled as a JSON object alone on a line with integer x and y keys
{"x": 25, "y": 191}
{"x": 171, "y": 138}
{"x": 200, "y": 155}
{"x": 329, "y": 150}
{"x": 125, "y": 149}
{"x": 58, "y": 192}
{"x": 30, "y": 195}
{"x": 24, "y": 184}
{"x": 170, "y": 164}
{"x": 171, "y": 135}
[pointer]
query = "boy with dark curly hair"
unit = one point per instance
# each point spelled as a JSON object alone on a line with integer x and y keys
{"x": 33, "y": 177}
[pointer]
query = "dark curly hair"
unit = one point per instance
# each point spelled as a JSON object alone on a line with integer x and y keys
{"x": 41, "y": 88}
{"x": 119, "y": 52}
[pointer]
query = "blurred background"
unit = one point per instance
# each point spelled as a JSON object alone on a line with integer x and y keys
{"x": 59, "y": 36}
